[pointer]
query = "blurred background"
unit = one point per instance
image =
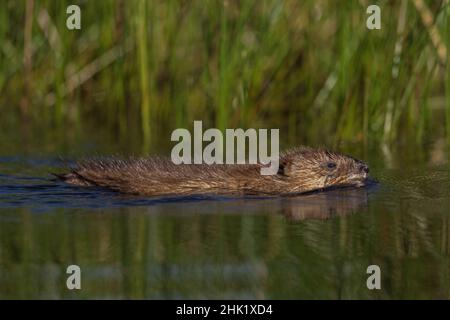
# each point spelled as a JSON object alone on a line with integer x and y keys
{"x": 139, "y": 69}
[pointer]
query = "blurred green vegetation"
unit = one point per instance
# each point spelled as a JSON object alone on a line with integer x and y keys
{"x": 310, "y": 68}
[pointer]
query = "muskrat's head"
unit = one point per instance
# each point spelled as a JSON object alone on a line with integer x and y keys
{"x": 309, "y": 169}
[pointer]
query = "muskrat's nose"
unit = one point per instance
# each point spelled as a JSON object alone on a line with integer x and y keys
{"x": 364, "y": 168}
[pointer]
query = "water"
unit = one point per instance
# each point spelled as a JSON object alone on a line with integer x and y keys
{"x": 314, "y": 246}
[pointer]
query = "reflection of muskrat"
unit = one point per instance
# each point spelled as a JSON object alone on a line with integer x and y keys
{"x": 301, "y": 170}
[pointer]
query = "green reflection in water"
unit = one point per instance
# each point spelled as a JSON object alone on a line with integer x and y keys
{"x": 170, "y": 251}
{"x": 315, "y": 246}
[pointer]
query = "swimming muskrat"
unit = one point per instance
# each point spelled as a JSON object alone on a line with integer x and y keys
{"x": 301, "y": 170}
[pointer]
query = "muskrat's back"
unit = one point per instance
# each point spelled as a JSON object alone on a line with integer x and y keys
{"x": 301, "y": 170}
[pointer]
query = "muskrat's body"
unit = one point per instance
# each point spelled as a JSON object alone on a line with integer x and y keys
{"x": 301, "y": 170}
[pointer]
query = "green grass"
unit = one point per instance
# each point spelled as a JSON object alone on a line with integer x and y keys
{"x": 143, "y": 54}
{"x": 310, "y": 68}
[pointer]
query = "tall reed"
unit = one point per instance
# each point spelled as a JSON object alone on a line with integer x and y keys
{"x": 310, "y": 68}
{"x": 142, "y": 48}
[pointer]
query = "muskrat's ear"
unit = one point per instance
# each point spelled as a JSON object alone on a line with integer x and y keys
{"x": 284, "y": 168}
{"x": 281, "y": 170}
{"x": 287, "y": 167}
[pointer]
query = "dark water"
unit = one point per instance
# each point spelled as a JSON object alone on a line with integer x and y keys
{"x": 314, "y": 246}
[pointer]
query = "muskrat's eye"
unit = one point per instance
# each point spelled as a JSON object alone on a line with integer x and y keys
{"x": 331, "y": 165}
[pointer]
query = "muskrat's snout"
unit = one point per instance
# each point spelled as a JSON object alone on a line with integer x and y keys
{"x": 361, "y": 176}
{"x": 364, "y": 168}
{"x": 364, "y": 171}
{"x": 364, "y": 174}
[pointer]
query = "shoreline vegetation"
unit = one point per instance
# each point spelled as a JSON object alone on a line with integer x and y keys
{"x": 310, "y": 68}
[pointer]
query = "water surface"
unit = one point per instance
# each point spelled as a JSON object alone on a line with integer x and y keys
{"x": 313, "y": 246}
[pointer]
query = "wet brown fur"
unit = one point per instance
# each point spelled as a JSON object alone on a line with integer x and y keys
{"x": 301, "y": 170}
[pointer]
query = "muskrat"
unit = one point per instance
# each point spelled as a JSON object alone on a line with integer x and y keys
{"x": 301, "y": 170}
